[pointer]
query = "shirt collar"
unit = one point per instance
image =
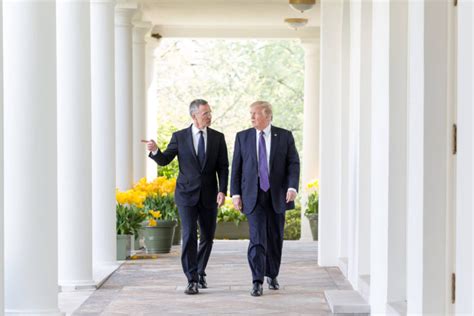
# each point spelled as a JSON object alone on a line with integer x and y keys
{"x": 267, "y": 130}
{"x": 196, "y": 130}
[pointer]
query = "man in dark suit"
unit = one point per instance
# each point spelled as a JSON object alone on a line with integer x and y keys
{"x": 202, "y": 155}
{"x": 264, "y": 183}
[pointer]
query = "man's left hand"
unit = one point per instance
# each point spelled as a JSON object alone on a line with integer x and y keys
{"x": 290, "y": 196}
{"x": 220, "y": 199}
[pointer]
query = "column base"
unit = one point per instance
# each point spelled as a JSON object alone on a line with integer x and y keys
{"x": 28, "y": 312}
{"x": 102, "y": 271}
{"x": 343, "y": 265}
{"x": 69, "y": 286}
{"x": 397, "y": 308}
{"x": 364, "y": 286}
{"x": 346, "y": 302}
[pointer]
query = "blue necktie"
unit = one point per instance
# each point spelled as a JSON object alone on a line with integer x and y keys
{"x": 263, "y": 164}
{"x": 201, "y": 151}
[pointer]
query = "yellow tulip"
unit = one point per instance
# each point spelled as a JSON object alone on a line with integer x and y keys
{"x": 155, "y": 214}
{"x": 151, "y": 222}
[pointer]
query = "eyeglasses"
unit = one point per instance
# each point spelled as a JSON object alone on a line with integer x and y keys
{"x": 206, "y": 113}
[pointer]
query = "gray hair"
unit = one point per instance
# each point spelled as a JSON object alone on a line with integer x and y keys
{"x": 265, "y": 106}
{"x": 194, "y": 106}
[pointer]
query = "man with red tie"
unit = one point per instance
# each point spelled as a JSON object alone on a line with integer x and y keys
{"x": 264, "y": 184}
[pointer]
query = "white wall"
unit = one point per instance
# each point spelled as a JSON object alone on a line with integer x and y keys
{"x": 464, "y": 174}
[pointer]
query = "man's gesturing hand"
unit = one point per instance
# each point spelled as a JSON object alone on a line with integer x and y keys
{"x": 150, "y": 145}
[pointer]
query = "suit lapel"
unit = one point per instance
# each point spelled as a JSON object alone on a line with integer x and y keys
{"x": 273, "y": 145}
{"x": 189, "y": 140}
{"x": 253, "y": 147}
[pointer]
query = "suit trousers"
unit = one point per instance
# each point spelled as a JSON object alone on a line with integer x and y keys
{"x": 266, "y": 238}
{"x": 194, "y": 260}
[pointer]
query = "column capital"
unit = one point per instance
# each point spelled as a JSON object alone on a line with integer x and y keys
{"x": 140, "y": 29}
{"x": 124, "y": 13}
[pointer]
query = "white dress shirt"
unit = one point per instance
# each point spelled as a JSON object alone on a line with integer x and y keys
{"x": 196, "y": 136}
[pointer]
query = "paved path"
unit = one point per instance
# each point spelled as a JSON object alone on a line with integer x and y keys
{"x": 155, "y": 286}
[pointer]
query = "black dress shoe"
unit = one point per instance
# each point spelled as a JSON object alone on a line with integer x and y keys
{"x": 192, "y": 288}
{"x": 257, "y": 289}
{"x": 273, "y": 283}
{"x": 202, "y": 284}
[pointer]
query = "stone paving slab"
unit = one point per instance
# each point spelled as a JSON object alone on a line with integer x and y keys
{"x": 155, "y": 286}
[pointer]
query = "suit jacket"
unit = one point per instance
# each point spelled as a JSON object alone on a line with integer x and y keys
{"x": 195, "y": 183}
{"x": 284, "y": 168}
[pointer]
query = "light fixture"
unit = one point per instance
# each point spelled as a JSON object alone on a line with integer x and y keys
{"x": 296, "y": 23}
{"x": 302, "y": 5}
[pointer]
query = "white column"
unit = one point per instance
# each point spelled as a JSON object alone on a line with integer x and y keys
{"x": 360, "y": 141}
{"x": 123, "y": 97}
{"x": 330, "y": 132}
{"x": 464, "y": 175}
{"x": 310, "y": 123}
{"x": 353, "y": 137}
{"x": 74, "y": 144}
{"x": 31, "y": 260}
{"x": 428, "y": 153}
{"x": 362, "y": 221}
{"x": 152, "y": 99}
{"x": 140, "y": 154}
{"x": 2, "y": 237}
{"x": 344, "y": 162}
{"x": 415, "y": 191}
{"x": 103, "y": 131}
{"x": 389, "y": 174}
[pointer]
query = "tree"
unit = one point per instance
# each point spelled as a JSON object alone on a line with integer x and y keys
{"x": 230, "y": 75}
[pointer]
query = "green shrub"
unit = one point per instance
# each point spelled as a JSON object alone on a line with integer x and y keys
{"x": 228, "y": 214}
{"x": 293, "y": 224}
{"x": 163, "y": 203}
{"x": 172, "y": 169}
{"x": 129, "y": 219}
{"x": 313, "y": 199}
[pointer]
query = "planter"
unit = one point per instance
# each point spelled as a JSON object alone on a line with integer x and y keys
{"x": 138, "y": 240}
{"x": 229, "y": 230}
{"x": 313, "y": 223}
{"x": 158, "y": 239}
{"x": 123, "y": 246}
{"x": 177, "y": 235}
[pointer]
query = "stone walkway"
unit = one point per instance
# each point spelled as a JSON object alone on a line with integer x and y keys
{"x": 155, "y": 286}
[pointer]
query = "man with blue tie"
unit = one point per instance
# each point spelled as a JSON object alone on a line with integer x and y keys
{"x": 264, "y": 183}
{"x": 202, "y": 157}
